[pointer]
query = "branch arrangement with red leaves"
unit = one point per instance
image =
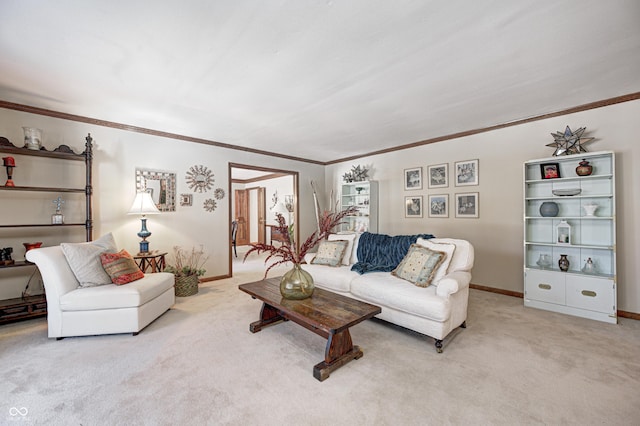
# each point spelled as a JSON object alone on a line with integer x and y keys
{"x": 287, "y": 252}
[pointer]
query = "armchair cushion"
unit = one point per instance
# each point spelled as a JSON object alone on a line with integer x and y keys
{"x": 113, "y": 296}
{"x": 84, "y": 260}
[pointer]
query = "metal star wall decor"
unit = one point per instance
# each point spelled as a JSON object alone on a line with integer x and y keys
{"x": 569, "y": 142}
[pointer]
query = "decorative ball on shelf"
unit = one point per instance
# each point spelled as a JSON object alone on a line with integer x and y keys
{"x": 549, "y": 209}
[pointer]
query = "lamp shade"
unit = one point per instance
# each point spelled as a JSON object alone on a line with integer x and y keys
{"x": 280, "y": 208}
{"x": 143, "y": 204}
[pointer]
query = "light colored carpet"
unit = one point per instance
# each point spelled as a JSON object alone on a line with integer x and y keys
{"x": 199, "y": 364}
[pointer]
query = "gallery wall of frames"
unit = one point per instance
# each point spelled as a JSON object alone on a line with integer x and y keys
{"x": 433, "y": 184}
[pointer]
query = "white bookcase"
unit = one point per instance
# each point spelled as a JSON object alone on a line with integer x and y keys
{"x": 580, "y": 291}
{"x": 363, "y": 195}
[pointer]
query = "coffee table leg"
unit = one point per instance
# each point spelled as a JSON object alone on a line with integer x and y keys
{"x": 268, "y": 315}
{"x": 339, "y": 351}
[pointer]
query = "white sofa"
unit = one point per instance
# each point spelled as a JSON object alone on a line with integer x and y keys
{"x": 104, "y": 309}
{"x": 434, "y": 311}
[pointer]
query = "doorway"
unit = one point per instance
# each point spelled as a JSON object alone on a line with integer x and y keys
{"x": 256, "y": 195}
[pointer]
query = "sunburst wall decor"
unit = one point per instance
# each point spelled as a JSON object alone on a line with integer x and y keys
{"x": 210, "y": 204}
{"x": 200, "y": 178}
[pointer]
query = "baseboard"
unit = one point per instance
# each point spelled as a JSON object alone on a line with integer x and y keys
{"x": 623, "y": 314}
{"x": 216, "y": 278}
{"x": 632, "y": 315}
{"x": 497, "y": 290}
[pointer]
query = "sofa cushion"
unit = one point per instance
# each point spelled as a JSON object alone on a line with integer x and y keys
{"x": 354, "y": 254}
{"x": 336, "y": 279}
{"x": 121, "y": 267}
{"x": 446, "y": 248}
{"x": 383, "y": 289}
{"x": 419, "y": 265}
{"x": 113, "y": 296}
{"x": 350, "y": 238}
{"x": 463, "y": 256}
{"x": 330, "y": 253}
{"x": 84, "y": 260}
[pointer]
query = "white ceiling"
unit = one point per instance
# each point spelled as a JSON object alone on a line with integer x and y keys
{"x": 320, "y": 80}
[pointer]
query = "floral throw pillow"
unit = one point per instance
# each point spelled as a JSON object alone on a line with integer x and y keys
{"x": 330, "y": 253}
{"x": 419, "y": 265}
{"x": 121, "y": 267}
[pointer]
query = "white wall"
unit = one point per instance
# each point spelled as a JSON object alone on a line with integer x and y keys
{"x": 117, "y": 153}
{"x": 497, "y": 234}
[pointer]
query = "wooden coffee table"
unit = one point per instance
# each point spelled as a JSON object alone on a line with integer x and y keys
{"x": 325, "y": 313}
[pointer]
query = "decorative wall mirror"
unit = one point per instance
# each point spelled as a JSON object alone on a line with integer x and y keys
{"x": 161, "y": 186}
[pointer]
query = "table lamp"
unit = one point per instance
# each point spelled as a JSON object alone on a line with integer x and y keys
{"x": 143, "y": 205}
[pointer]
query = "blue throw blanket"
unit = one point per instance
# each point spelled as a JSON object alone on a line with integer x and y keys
{"x": 383, "y": 253}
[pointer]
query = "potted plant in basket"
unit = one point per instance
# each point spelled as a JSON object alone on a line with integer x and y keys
{"x": 187, "y": 267}
{"x": 298, "y": 283}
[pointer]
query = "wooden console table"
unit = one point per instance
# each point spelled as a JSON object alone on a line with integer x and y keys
{"x": 325, "y": 313}
{"x": 153, "y": 260}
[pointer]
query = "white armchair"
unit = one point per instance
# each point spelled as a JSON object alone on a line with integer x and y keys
{"x": 104, "y": 309}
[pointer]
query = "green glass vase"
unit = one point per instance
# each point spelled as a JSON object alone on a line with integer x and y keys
{"x": 296, "y": 284}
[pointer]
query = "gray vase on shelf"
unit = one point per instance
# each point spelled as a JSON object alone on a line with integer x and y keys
{"x": 549, "y": 209}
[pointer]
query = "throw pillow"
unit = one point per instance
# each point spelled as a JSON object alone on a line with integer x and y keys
{"x": 121, "y": 267}
{"x": 419, "y": 265}
{"x": 447, "y": 248}
{"x": 350, "y": 238}
{"x": 84, "y": 260}
{"x": 330, "y": 253}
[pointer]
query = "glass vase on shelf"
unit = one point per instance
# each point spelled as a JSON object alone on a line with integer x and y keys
{"x": 589, "y": 267}
{"x": 544, "y": 261}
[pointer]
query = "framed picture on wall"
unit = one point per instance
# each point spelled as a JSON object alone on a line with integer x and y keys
{"x": 413, "y": 206}
{"x": 439, "y": 205}
{"x": 413, "y": 178}
{"x": 467, "y": 172}
{"x": 467, "y": 205}
{"x": 438, "y": 175}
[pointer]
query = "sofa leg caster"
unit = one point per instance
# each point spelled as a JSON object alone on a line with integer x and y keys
{"x": 135, "y": 333}
{"x": 59, "y": 338}
{"x": 463, "y": 325}
{"x": 439, "y": 346}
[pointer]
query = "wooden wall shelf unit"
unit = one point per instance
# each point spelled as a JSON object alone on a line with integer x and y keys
{"x": 36, "y": 306}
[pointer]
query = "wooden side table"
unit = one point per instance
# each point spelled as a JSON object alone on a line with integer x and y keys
{"x": 153, "y": 260}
